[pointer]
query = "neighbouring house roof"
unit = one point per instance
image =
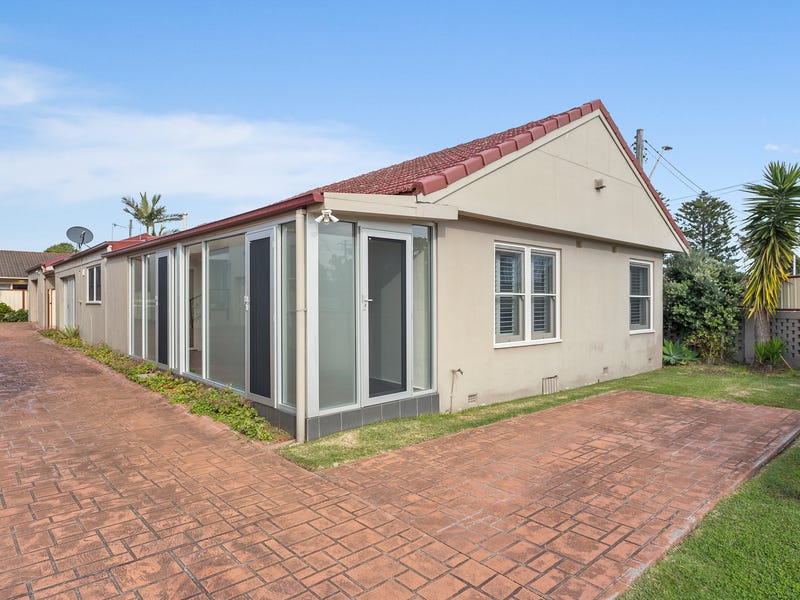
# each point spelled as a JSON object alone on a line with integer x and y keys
{"x": 434, "y": 171}
{"x": 14, "y": 264}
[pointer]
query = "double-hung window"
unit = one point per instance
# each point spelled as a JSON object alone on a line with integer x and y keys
{"x": 641, "y": 318}
{"x": 94, "y": 293}
{"x": 526, "y": 294}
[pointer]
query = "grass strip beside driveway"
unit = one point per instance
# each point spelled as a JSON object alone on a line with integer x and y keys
{"x": 737, "y": 383}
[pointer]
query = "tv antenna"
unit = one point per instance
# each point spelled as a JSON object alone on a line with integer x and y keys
{"x": 79, "y": 235}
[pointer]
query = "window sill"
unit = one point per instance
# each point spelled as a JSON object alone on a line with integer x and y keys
{"x": 639, "y": 331}
{"x": 93, "y": 302}
{"x": 528, "y": 343}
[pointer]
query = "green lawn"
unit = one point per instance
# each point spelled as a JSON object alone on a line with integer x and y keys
{"x": 696, "y": 381}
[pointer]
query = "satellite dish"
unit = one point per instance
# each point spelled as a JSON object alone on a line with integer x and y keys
{"x": 79, "y": 235}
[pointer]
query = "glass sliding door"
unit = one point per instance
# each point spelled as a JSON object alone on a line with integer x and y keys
{"x": 258, "y": 303}
{"x": 225, "y": 281}
{"x": 194, "y": 309}
{"x": 137, "y": 311}
{"x": 150, "y": 307}
{"x": 162, "y": 310}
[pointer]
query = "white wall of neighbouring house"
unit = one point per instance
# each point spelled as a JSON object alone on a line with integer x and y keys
{"x": 16, "y": 299}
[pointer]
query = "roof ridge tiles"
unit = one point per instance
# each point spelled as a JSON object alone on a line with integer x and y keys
{"x": 527, "y": 134}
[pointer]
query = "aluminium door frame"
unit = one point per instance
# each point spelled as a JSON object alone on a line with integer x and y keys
{"x": 250, "y": 236}
{"x": 393, "y": 233}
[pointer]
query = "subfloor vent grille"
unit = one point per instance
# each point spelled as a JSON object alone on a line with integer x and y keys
{"x": 550, "y": 384}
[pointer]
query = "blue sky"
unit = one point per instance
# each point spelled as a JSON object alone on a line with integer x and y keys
{"x": 225, "y": 106}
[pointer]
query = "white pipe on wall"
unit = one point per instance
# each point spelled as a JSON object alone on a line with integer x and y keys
{"x": 300, "y": 278}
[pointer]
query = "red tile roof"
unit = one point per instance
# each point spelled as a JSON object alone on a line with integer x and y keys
{"x": 437, "y": 170}
{"x": 432, "y": 172}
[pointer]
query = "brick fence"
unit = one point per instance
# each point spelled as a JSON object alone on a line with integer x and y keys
{"x": 785, "y": 325}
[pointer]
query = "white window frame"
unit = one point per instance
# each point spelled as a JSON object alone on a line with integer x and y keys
{"x": 649, "y": 296}
{"x": 91, "y": 291}
{"x": 528, "y": 295}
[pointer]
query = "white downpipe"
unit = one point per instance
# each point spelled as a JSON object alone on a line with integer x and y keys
{"x": 300, "y": 268}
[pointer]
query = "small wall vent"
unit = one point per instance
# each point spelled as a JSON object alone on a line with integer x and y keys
{"x": 550, "y": 384}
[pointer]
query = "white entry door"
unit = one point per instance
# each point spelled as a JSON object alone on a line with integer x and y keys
{"x": 385, "y": 314}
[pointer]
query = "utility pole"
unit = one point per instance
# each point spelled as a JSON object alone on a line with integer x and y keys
{"x": 640, "y": 146}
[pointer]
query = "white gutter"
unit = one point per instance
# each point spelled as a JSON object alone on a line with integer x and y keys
{"x": 300, "y": 323}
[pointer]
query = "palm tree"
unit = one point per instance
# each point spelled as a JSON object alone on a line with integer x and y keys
{"x": 147, "y": 213}
{"x": 770, "y": 238}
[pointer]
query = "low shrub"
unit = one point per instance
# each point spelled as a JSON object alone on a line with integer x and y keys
{"x": 9, "y": 315}
{"x": 225, "y": 405}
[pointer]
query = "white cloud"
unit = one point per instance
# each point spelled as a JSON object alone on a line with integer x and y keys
{"x": 782, "y": 148}
{"x": 54, "y": 153}
{"x": 25, "y": 83}
{"x": 73, "y": 156}
{"x": 62, "y": 155}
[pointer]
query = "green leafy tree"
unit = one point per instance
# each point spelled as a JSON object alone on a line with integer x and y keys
{"x": 62, "y": 247}
{"x": 702, "y": 300}
{"x": 707, "y": 222}
{"x": 148, "y": 213}
{"x": 770, "y": 238}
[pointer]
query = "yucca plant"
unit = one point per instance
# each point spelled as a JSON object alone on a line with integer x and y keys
{"x": 770, "y": 238}
{"x": 769, "y": 352}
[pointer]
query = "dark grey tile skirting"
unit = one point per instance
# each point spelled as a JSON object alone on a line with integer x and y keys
{"x": 284, "y": 420}
{"x": 317, "y": 427}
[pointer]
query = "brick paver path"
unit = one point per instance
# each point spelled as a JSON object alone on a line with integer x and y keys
{"x": 107, "y": 491}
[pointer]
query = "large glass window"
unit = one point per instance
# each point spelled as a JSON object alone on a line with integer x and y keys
{"x": 136, "y": 306}
{"x": 150, "y": 306}
{"x": 226, "y": 319}
{"x": 288, "y": 279}
{"x": 640, "y": 296}
{"x": 526, "y": 294}
{"x": 337, "y": 315}
{"x": 422, "y": 308}
{"x": 194, "y": 309}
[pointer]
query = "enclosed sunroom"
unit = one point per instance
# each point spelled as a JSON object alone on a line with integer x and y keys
{"x": 220, "y": 304}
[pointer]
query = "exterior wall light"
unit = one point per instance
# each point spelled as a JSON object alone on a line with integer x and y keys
{"x": 326, "y": 217}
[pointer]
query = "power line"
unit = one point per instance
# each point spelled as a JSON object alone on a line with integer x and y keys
{"x": 677, "y": 170}
{"x": 688, "y": 183}
{"x": 728, "y": 189}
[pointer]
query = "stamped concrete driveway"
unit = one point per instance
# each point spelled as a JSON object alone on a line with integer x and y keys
{"x": 107, "y": 491}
